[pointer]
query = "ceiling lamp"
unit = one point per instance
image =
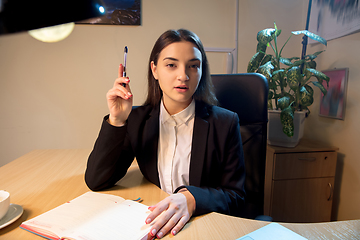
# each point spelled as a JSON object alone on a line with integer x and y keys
{"x": 25, "y": 15}
{"x": 54, "y": 33}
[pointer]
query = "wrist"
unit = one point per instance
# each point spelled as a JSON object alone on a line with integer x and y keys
{"x": 114, "y": 122}
{"x": 191, "y": 203}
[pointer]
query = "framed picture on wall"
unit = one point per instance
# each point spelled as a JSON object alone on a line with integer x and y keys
{"x": 118, "y": 12}
{"x": 333, "y": 103}
{"x": 334, "y": 19}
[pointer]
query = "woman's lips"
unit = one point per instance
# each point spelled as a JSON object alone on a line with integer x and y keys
{"x": 182, "y": 88}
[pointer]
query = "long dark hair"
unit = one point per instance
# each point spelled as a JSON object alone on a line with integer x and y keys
{"x": 204, "y": 92}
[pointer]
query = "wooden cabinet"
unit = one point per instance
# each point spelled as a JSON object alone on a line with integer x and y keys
{"x": 299, "y": 182}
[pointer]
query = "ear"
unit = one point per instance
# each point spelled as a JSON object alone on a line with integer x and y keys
{"x": 153, "y": 69}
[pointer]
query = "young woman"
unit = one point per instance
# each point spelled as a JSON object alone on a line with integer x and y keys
{"x": 183, "y": 143}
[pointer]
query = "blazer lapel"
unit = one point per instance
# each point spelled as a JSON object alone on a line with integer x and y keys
{"x": 199, "y": 144}
{"x": 150, "y": 145}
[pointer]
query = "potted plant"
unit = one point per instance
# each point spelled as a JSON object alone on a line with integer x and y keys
{"x": 290, "y": 81}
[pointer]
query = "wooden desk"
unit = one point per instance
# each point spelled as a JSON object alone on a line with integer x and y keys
{"x": 44, "y": 179}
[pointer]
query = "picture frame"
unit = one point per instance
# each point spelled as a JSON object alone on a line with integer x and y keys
{"x": 334, "y": 19}
{"x": 332, "y": 105}
{"x": 118, "y": 12}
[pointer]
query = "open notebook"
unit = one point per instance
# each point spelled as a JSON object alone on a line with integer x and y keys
{"x": 92, "y": 216}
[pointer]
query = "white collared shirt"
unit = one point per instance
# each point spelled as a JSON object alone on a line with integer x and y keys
{"x": 174, "y": 149}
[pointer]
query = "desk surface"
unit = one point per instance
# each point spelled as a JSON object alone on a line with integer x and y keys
{"x": 44, "y": 179}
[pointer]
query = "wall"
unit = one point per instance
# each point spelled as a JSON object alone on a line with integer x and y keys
{"x": 53, "y": 95}
{"x": 344, "y": 134}
{"x": 340, "y": 53}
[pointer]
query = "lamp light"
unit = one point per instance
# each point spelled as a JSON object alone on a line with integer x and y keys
{"x": 54, "y": 33}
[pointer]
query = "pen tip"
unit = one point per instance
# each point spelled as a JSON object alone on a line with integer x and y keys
{"x": 126, "y": 49}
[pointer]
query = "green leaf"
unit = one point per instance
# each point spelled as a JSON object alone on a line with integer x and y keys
{"x": 286, "y": 61}
{"x": 314, "y": 55}
{"x": 278, "y": 75}
{"x": 255, "y": 61}
{"x": 267, "y": 35}
{"x": 266, "y": 59}
{"x": 272, "y": 84}
{"x": 283, "y": 102}
{"x": 311, "y": 64}
{"x": 308, "y": 75}
{"x": 270, "y": 95}
{"x": 266, "y": 70}
{"x": 309, "y": 89}
{"x": 311, "y": 35}
{"x": 278, "y": 95}
{"x": 280, "y": 71}
{"x": 319, "y": 85}
{"x": 298, "y": 63}
{"x": 306, "y": 98}
{"x": 279, "y": 78}
{"x": 293, "y": 58}
{"x": 287, "y": 121}
{"x": 319, "y": 75}
{"x": 261, "y": 47}
{"x": 317, "y": 53}
{"x": 293, "y": 77}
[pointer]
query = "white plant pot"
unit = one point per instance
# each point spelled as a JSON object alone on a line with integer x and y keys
{"x": 277, "y": 137}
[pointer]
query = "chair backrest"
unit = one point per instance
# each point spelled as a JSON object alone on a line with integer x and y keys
{"x": 247, "y": 94}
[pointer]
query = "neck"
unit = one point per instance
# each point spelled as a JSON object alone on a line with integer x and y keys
{"x": 174, "y": 108}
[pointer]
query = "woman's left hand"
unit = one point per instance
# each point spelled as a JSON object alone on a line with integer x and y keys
{"x": 171, "y": 214}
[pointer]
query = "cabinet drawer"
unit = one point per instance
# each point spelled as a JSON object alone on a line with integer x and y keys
{"x": 304, "y": 165}
{"x": 302, "y": 200}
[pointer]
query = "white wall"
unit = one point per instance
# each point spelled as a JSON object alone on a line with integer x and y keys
{"x": 344, "y": 134}
{"x": 53, "y": 95}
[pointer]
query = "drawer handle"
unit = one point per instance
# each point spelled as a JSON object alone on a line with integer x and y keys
{"x": 331, "y": 191}
{"x": 312, "y": 159}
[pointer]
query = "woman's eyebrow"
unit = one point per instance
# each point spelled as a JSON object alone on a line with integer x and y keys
{"x": 194, "y": 59}
{"x": 174, "y": 59}
{"x": 170, "y": 58}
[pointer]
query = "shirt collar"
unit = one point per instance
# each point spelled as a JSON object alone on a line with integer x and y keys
{"x": 181, "y": 117}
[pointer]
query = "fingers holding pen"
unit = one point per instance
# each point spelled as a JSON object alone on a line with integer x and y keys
{"x": 122, "y": 74}
{"x": 122, "y": 85}
{"x": 119, "y": 100}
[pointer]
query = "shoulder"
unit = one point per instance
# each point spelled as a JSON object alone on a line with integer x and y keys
{"x": 216, "y": 113}
{"x": 139, "y": 112}
{"x": 222, "y": 112}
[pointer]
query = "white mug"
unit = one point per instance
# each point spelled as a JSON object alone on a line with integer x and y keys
{"x": 4, "y": 203}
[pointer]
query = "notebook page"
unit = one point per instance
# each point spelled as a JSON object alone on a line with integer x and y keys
{"x": 74, "y": 214}
{"x": 126, "y": 220}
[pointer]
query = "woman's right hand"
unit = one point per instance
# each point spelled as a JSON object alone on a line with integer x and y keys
{"x": 119, "y": 100}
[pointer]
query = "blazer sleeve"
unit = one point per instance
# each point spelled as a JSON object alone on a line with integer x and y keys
{"x": 228, "y": 196}
{"x": 110, "y": 158}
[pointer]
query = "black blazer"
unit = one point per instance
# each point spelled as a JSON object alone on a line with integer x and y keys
{"x": 217, "y": 172}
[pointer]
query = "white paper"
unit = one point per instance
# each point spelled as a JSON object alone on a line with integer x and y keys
{"x": 272, "y": 231}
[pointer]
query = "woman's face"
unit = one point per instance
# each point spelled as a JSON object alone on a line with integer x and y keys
{"x": 178, "y": 71}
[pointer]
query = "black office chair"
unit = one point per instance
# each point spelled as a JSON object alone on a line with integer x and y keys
{"x": 247, "y": 94}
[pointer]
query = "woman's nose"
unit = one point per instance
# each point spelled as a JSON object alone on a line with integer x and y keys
{"x": 182, "y": 74}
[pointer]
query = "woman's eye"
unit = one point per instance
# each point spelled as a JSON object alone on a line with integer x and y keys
{"x": 195, "y": 66}
{"x": 170, "y": 65}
